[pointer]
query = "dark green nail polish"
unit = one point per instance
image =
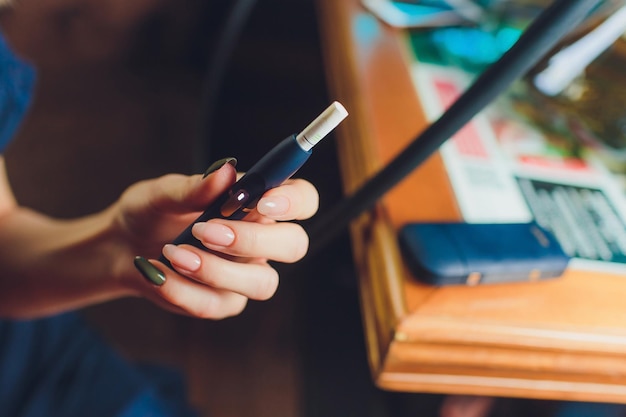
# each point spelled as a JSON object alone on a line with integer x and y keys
{"x": 149, "y": 271}
{"x": 218, "y": 164}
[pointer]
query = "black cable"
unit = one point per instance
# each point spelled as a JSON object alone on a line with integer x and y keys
{"x": 536, "y": 41}
{"x": 226, "y": 42}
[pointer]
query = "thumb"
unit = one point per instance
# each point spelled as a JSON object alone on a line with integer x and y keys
{"x": 195, "y": 193}
{"x": 175, "y": 193}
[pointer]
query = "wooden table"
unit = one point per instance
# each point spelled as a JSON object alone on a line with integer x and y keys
{"x": 558, "y": 339}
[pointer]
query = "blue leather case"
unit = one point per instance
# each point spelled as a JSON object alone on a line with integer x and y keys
{"x": 462, "y": 253}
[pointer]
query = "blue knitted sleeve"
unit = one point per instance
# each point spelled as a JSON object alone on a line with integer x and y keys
{"x": 17, "y": 79}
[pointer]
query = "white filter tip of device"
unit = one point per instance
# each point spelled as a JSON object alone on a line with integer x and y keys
{"x": 322, "y": 125}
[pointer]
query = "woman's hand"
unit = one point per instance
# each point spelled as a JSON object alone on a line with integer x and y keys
{"x": 218, "y": 282}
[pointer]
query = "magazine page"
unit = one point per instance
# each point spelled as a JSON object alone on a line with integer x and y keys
{"x": 504, "y": 169}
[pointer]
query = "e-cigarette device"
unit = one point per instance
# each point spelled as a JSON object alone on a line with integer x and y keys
{"x": 273, "y": 169}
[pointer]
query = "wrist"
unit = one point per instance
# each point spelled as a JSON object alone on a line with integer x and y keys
{"x": 52, "y": 265}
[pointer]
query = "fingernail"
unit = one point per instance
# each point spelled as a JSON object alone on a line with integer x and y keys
{"x": 218, "y": 164}
{"x": 273, "y": 206}
{"x": 214, "y": 233}
{"x": 182, "y": 258}
{"x": 149, "y": 271}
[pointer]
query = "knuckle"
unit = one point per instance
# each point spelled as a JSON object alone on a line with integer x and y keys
{"x": 221, "y": 307}
{"x": 214, "y": 273}
{"x": 302, "y": 248}
{"x": 211, "y": 305}
{"x": 299, "y": 244}
{"x": 204, "y": 309}
{"x": 248, "y": 240}
{"x": 237, "y": 307}
{"x": 207, "y": 309}
{"x": 213, "y": 279}
{"x": 267, "y": 285}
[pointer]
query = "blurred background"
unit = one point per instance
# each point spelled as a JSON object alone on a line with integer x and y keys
{"x": 119, "y": 98}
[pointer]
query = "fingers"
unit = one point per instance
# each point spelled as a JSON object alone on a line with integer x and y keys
{"x": 180, "y": 294}
{"x": 193, "y": 193}
{"x": 296, "y": 199}
{"x": 217, "y": 283}
{"x": 153, "y": 212}
{"x": 256, "y": 280}
{"x": 282, "y": 242}
{"x": 218, "y": 290}
{"x": 174, "y": 193}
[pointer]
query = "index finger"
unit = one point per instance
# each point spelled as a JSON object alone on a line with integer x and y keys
{"x": 296, "y": 199}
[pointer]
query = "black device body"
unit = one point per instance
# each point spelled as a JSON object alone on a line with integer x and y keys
{"x": 470, "y": 254}
{"x": 279, "y": 164}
